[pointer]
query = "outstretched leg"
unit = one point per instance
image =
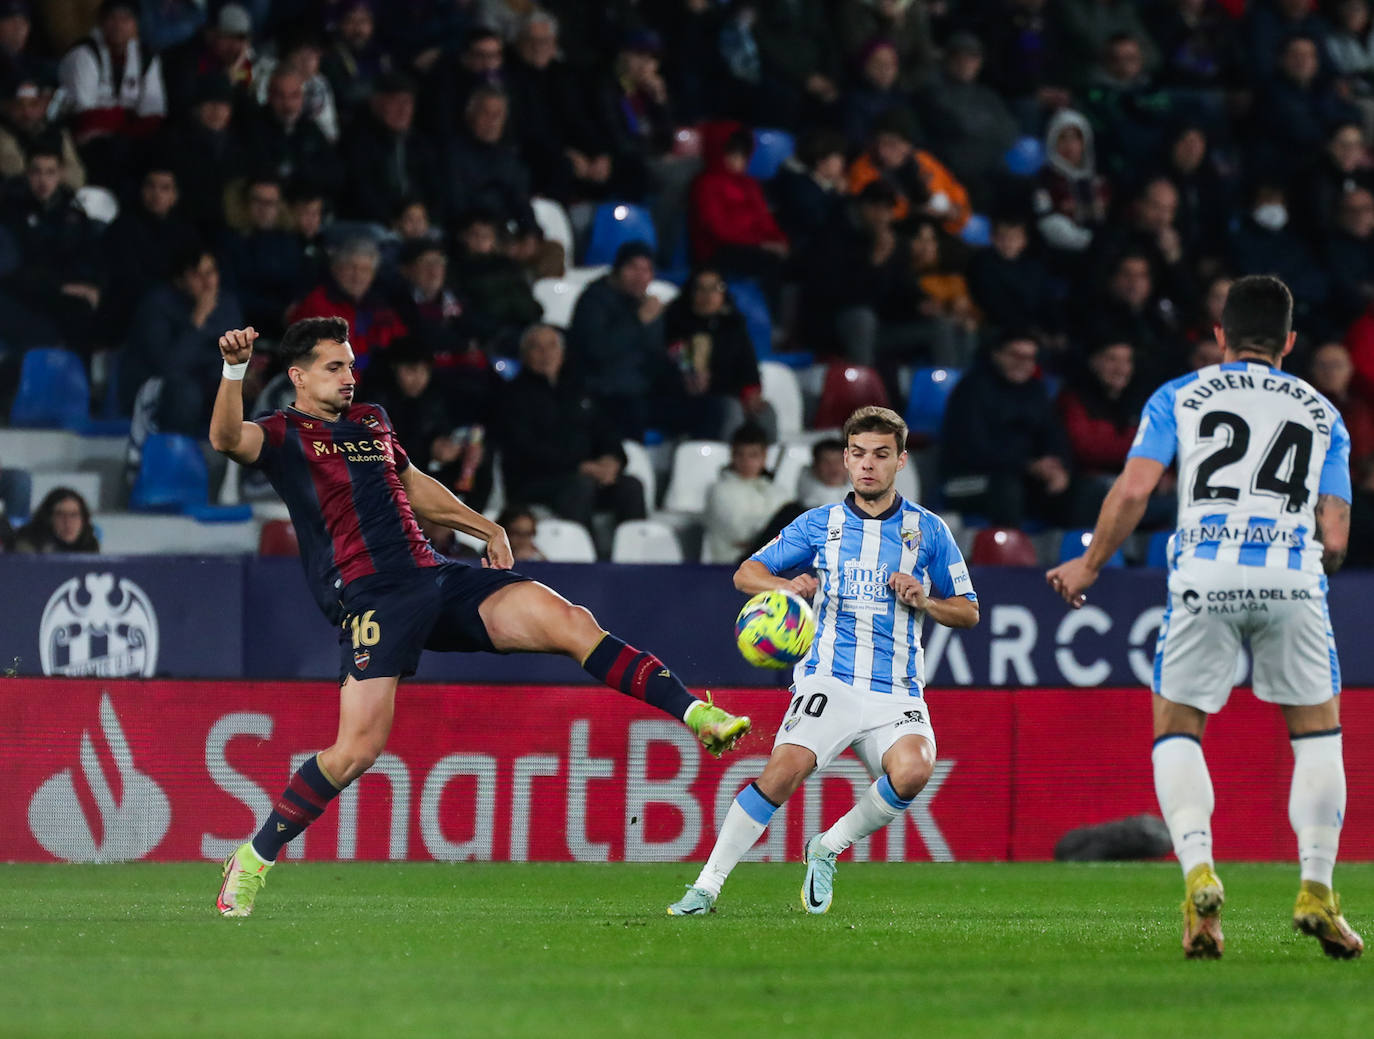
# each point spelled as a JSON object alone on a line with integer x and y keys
{"x": 366, "y": 709}
{"x": 748, "y": 817}
{"x": 532, "y": 618}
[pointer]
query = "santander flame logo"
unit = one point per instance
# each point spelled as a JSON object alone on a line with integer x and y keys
{"x": 128, "y": 828}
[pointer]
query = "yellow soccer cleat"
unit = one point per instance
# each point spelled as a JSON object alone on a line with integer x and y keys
{"x": 717, "y": 730}
{"x": 244, "y": 876}
{"x": 1318, "y": 912}
{"x": 1202, "y": 937}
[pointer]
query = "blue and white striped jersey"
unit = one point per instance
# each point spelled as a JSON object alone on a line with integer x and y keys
{"x": 1255, "y": 447}
{"x": 865, "y": 636}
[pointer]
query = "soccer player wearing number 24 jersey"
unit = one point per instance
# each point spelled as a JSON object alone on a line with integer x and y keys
{"x": 1263, "y": 516}
{"x": 861, "y": 685}
{"x": 353, "y": 497}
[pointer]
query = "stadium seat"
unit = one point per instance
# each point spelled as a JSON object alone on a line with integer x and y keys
{"x": 173, "y": 477}
{"x": 1002, "y": 546}
{"x": 553, "y": 220}
{"x": 99, "y": 204}
{"x": 564, "y": 541}
{"x": 786, "y": 462}
{"x": 615, "y": 224}
{"x": 908, "y": 481}
{"x": 782, "y": 390}
{"x": 847, "y": 388}
{"x": 1157, "y": 553}
{"x": 558, "y": 297}
{"x": 771, "y": 149}
{"x": 645, "y": 541}
{"x": 686, "y": 142}
{"x": 54, "y": 392}
{"x": 1025, "y": 157}
{"x": 978, "y": 230}
{"x": 1072, "y": 544}
{"x": 749, "y": 301}
{"x": 640, "y": 465}
{"x": 696, "y": 465}
{"x": 925, "y": 405}
{"x": 278, "y": 538}
{"x": 580, "y": 276}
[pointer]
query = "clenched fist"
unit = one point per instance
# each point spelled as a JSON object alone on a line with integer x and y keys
{"x": 236, "y": 345}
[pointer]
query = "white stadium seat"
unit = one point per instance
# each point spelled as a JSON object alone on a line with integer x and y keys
{"x": 564, "y": 541}
{"x": 787, "y": 462}
{"x": 782, "y": 390}
{"x": 663, "y": 291}
{"x": 696, "y": 465}
{"x": 86, "y": 484}
{"x": 557, "y": 296}
{"x": 99, "y": 204}
{"x": 908, "y": 481}
{"x": 639, "y": 464}
{"x": 585, "y": 275}
{"x": 553, "y": 220}
{"x": 139, "y": 533}
{"x": 645, "y": 541}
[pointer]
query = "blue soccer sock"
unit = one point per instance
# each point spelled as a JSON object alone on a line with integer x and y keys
{"x": 301, "y": 803}
{"x": 638, "y": 674}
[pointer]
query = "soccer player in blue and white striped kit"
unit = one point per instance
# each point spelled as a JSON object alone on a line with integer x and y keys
{"x": 883, "y": 564}
{"x": 1263, "y": 517}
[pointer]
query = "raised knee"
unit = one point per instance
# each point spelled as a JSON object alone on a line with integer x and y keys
{"x": 910, "y": 776}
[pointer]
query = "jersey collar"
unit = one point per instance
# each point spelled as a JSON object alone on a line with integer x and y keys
{"x": 886, "y": 514}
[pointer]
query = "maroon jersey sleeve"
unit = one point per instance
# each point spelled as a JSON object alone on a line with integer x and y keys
{"x": 397, "y": 451}
{"x": 273, "y": 436}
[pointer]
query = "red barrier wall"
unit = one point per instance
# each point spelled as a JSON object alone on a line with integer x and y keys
{"x": 110, "y": 771}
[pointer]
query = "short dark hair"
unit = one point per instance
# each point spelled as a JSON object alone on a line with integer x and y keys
{"x": 45, "y": 144}
{"x": 301, "y": 338}
{"x": 187, "y": 257}
{"x": 820, "y": 447}
{"x": 876, "y": 419}
{"x": 820, "y": 143}
{"x": 749, "y": 433}
{"x": 1258, "y": 315}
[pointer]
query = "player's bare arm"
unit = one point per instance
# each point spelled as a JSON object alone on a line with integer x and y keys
{"x": 229, "y": 434}
{"x": 956, "y": 612}
{"x": 1121, "y": 513}
{"x": 753, "y": 577}
{"x": 1333, "y": 530}
{"x": 433, "y": 501}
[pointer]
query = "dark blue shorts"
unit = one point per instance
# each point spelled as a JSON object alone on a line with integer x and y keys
{"x": 389, "y": 618}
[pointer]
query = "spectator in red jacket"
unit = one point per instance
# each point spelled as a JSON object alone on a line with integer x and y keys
{"x": 730, "y": 224}
{"x": 1100, "y": 414}
{"x": 1331, "y": 373}
{"x": 350, "y": 291}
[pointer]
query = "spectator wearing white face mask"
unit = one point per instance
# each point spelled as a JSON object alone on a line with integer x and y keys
{"x": 1265, "y": 243}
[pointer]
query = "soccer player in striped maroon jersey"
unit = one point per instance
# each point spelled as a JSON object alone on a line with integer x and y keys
{"x": 353, "y": 497}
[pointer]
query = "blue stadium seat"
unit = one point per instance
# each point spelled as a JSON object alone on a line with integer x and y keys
{"x": 54, "y": 392}
{"x": 771, "y": 149}
{"x": 172, "y": 475}
{"x": 615, "y": 224}
{"x": 1157, "y": 554}
{"x": 749, "y": 302}
{"x": 978, "y": 230}
{"x": 1073, "y": 543}
{"x": 1025, "y": 157}
{"x": 930, "y": 390}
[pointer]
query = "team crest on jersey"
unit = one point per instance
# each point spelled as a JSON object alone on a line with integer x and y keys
{"x": 361, "y": 659}
{"x": 371, "y": 422}
{"x": 308, "y": 425}
{"x": 911, "y": 538}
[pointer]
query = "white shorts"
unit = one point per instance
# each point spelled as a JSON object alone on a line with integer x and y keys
{"x": 827, "y": 715}
{"x": 1214, "y": 606}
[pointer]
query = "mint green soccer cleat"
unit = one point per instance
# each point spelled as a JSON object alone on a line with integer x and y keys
{"x": 819, "y": 886}
{"x": 697, "y": 902}
{"x": 244, "y": 876}
{"x": 717, "y": 730}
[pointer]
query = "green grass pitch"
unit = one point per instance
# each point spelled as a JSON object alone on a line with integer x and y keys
{"x": 374, "y": 949}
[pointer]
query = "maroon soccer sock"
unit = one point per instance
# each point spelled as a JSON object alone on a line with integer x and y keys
{"x": 301, "y": 803}
{"x": 638, "y": 674}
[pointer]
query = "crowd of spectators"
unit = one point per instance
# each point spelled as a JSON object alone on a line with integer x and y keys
{"x": 279, "y": 159}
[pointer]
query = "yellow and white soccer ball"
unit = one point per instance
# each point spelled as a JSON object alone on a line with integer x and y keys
{"x": 775, "y": 629}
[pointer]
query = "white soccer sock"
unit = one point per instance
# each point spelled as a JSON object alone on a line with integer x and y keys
{"x": 1316, "y": 802}
{"x": 744, "y": 824}
{"x": 1184, "y": 789}
{"x": 877, "y": 807}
